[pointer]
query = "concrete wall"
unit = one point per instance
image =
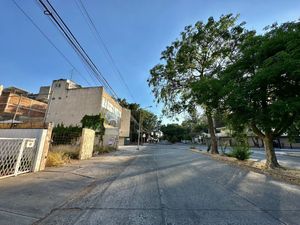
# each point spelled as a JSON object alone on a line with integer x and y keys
{"x": 46, "y": 147}
{"x": 44, "y": 93}
{"x": 111, "y": 137}
{"x": 68, "y": 106}
{"x": 125, "y": 123}
{"x": 87, "y": 144}
{"x": 111, "y": 110}
{"x": 39, "y": 134}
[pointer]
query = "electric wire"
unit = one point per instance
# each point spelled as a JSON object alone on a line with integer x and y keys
{"x": 52, "y": 13}
{"x": 102, "y": 43}
{"x": 49, "y": 40}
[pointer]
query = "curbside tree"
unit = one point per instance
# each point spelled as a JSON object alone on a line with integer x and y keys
{"x": 202, "y": 51}
{"x": 262, "y": 88}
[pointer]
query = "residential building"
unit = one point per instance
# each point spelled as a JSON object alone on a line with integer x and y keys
{"x": 16, "y": 104}
{"x": 44, "y": 94}
{"x": 69, "y": 103}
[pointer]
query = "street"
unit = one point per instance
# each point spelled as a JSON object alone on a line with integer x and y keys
{"x": 160, "y": 184}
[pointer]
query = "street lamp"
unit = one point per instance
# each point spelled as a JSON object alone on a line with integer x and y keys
{"x": 140, "y": 125}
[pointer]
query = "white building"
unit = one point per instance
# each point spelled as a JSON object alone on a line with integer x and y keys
{"x": 69, "y": 103}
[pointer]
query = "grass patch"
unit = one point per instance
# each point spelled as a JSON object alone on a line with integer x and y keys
{"x": 56, "y": 158}
{"x": 62, "y": 154}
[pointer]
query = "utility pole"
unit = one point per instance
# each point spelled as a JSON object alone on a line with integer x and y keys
{"x": 139, "y": 132}
{"x": 140, "y": 126}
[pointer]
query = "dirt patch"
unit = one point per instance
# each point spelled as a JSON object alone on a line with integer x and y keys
{"x": 286, "y": 174}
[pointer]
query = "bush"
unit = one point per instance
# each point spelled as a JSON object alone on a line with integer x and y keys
{"x": 72, "y": 152}
{"x": 56, "y": 158}
{"x": 240, "y": 152}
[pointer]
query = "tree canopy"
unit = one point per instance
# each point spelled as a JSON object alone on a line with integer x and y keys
{"x": 201, "y": 52}
{"x": 175, "y": 132}
{"x": 150, "y": 121}
{"x": 261, "y": 88}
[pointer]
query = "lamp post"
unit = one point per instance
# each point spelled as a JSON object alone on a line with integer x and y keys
{"x": 140, "y": 127}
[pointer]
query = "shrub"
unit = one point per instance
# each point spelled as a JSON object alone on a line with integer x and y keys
{"x": 56, "y": 158}
{"x": 62, "y": 135}
{"x": 240, "y": 152}
{"x": 70, "y": 151}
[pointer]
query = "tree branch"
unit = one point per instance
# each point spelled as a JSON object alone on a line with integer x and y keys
{"x": 257, "y": 131}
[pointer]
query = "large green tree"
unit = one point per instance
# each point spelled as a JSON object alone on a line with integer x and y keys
{"x": 202, "y": 51}
{"x": 150, "y": 121}
{"x": 175, "y": 132}
{"x": 262, "y": 88}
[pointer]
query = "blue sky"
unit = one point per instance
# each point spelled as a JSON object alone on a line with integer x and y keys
{"x": 135, "y": 31}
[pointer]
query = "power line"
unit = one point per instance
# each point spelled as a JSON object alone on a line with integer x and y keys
{"x": 86, "y": 63}
{"x": 98, "y": 36}
{"x": 52, "y": 13}
{"x": 49, "y": 40}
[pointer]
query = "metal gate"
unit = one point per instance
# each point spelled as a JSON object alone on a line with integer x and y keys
{"x": 17, "y": 156}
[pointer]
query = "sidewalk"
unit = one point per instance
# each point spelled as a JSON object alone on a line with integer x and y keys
{"x": 27, "y": 198}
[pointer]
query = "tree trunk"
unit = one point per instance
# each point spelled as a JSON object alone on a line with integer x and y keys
{"x": 211, "y": 128}
{"x": 270, "y": 153}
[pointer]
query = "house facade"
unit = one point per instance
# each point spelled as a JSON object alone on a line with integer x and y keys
{"x": 16, "y": 104}
{"x": 69, "y": 102}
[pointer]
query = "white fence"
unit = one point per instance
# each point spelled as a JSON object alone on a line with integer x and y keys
{"x": 17, "y": 156}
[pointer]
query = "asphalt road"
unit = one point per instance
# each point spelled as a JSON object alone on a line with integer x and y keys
{"x": 160, "y": 184}
{"x": 169, "y": 185}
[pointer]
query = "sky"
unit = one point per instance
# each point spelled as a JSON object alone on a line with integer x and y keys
{"x": 134, "y": 31}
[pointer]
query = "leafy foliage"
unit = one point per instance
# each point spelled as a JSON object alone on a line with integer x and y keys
{"x": 150, "y": 121}
{"x": 240, "y": 152}
{"x": 175, "y": 133}
{"x": 65, "y": 135}
{"x": 263, "y": 85}
{"x": 261, "y": 89}
{"x": 61, "y": 129}
{"x": 203, "y": 50}
{"x": 200, "y": 54}
{"x": 94, "y": 122}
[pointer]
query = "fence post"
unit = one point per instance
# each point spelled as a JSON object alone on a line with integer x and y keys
{"x": 46, "y": 146}
{"x": 86, "y": 144}
{"x": 20, "y": 156}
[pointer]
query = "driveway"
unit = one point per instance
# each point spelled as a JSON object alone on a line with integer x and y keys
{"x": 160, "y": 184}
